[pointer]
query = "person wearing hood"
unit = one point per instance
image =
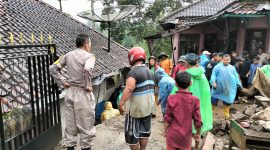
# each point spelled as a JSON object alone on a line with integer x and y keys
{"x": 200, "y": 88}
{"x": 266, "y": 68}
{"x": 165, "y": 84}
{"x": 204, "y": 59}
{"x": 224, "y": 81}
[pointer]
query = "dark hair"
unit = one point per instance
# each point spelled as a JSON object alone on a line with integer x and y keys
{"x": 226, "y": 55}
{"x": 183, "y": 79}
{"x": 257, "y": 58}
{"x": 81, "y": 40}
{"x": 265, "y": 62}
{"x": 220, "y": 54}
{"x": 214, "y": 54}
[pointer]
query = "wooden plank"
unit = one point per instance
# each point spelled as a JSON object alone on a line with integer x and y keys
{"x": 237, "y": 137}
{"x": 237, "y": 127}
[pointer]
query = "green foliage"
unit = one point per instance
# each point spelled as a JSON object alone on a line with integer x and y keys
{"x": 142, "y": 23}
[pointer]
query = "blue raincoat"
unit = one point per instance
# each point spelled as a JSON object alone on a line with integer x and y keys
{"x": 165, "y": 84}
{"x": 227, "y": 81}
{"x": 204, "y": 60}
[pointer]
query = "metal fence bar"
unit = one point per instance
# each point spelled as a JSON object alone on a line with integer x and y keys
{"x": 49, "y": 91}
{"x": 53, "y": 94}
{"x": 36, "y": 95}
{"x": 3, "y": 144}
{"x": 31, "y": 95}
{"x": 41, "y": 93}
{"x": 24, "y": 46}
{"x": 45, "y": 70}
{"x": 57, "y": 93}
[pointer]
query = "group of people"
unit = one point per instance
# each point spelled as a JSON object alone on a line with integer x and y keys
{"x": 187, "y": 94}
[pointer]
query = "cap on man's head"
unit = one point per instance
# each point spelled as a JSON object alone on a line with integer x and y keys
{"x": 182, "y": 58}
{"x": 206, "y": 53}
{"x": 162, "y": 54}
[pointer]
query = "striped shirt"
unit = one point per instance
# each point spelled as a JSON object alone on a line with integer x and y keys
{"x": 141, "y": 103}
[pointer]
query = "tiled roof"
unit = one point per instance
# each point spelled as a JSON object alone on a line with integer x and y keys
{"x": 26, "y": 18}
{"x": 249, "y": 7}
{"x": 33, "y": 16}
{"x": 201, "y": 8}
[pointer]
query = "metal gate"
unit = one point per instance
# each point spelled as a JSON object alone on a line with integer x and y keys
{"x": 30, "y": 108}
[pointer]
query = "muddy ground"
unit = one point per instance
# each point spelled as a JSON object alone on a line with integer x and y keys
{"x": 110, "y": 135}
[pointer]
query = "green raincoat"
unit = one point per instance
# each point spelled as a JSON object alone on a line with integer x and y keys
{"x": 266, "y": 70}
{"x": 200, "y": 88}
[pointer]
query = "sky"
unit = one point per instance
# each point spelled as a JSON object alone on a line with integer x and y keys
{"x": 73, "y": 7}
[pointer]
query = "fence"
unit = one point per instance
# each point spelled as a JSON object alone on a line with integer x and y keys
{"x": 30, "y": 108}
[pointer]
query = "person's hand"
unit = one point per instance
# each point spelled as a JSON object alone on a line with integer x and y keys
{"x": 89, "y": 89}
{"x": 247, "y": 75}
{"x": 66, "y": 85}
{"x": 164, "y": 134}
{"x": 122, "y": 110}
{"x": 197, "y": 138}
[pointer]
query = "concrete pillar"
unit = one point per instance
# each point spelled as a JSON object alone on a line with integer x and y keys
{"x": 267, "y": 42}
{"x": 201, "y": 45}
{"x": 240, "y": 40}
{"x": 176, "y": 40}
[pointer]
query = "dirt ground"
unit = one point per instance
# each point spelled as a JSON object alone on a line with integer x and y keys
{"x": 110, "y": 135}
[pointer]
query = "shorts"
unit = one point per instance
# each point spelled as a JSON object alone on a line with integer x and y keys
{"x": 136, "y": 128}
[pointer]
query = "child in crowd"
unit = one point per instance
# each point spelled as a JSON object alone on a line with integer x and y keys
{"x": 181, "y": 109}
{"x": 252, "y": 70}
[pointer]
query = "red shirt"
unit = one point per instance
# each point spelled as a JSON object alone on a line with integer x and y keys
{"x": 181, "y": 109}
{"x": 178, "y": 68}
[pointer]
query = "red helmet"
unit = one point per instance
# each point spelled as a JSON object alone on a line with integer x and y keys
{"x": 135, "y": 54}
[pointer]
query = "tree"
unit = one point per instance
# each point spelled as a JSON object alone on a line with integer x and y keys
{"x": 143, "y": 22}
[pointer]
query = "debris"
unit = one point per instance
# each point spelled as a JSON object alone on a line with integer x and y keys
{"x": 262, "y": 115}
{"x": 209, "y": 142}
{"x": 219, "y": 145}
{"x": 264, "y": 101}
{"x": 258, "y": 109}
{"x": 256, "y": 127}
{"x": 250, "y": 110}
{"x": 239, "y": 116}
{"x": 265, "y": 124}
{"x": 244, "y": 124}
{"x": 220, "y": 133}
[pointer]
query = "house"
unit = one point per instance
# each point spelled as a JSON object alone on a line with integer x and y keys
{"x": 218, "y": 25}
{"x": 33, "y": 23}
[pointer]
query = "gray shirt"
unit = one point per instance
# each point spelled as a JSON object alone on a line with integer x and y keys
{"x": 79, "y": 68}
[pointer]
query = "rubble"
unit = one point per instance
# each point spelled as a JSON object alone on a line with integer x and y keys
{"x": 239, "y": 116}
{"x": 258, "y": 109}
{"x": 219, "y": 145}
{"x": 250, "y": 110}
{"x": 265, "y": 124}
{"x": 257, "y": 127}
{"x": 264, "y": 101}
{"x": 262, "y": 115}
{"x": 208, "y": 142}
